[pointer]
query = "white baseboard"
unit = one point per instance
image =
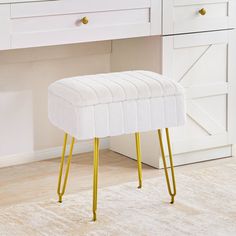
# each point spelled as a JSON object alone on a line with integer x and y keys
{"x": 87, "y": 146}
{"x": 50, "y": 153}
{"x": 234, "y": 150}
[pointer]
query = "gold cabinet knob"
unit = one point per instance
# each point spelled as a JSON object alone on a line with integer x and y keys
{"x": 202, "y": 12}
{"x": 85, "y": 20}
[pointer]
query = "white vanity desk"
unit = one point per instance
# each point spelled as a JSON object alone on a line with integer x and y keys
{"x": 172, "y": 37}
{"x": 44, "y": 23}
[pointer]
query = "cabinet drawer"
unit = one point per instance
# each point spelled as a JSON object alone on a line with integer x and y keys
{"x": 34, "y": 25}
{"x": 183, "y": 16}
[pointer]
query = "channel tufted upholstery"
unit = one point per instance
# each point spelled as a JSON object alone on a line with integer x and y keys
{"x": 115, "y": 103}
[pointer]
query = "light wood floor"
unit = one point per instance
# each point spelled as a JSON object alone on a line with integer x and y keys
{"x": 38, "y": 181}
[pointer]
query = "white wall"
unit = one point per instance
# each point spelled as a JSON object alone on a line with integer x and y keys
{"x": 24, "y": 78}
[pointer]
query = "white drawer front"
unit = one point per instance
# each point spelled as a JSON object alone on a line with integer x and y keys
{"x": 183, "y": 16}
{"x": 63, "y": 29}
{"x": 59, "y": 22}
{"x": 74, "y": 21}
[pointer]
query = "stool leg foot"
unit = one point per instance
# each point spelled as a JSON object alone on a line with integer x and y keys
{"x": 60, "y": 191}
{"x": 94, "y": 216}
{"x": 171, "y": 193}
{"x": 172, "y": 200}
{"x": 60, "y": 198}
{"x": 139, "y": 158}
{"x": 95, "y": 177}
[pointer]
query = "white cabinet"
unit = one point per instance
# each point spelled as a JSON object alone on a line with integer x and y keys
{"x": 182, "y": 16}
{"x": 199, "y": 62}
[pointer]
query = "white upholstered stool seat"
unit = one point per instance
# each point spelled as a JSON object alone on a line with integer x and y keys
{"x": 115, "y": 103}
{"x": 103, "y": 105}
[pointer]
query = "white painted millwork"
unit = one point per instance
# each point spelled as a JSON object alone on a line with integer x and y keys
{"x": 44, "y": 23}
{"x": 49, "y": 153}
{"x": 199, "y": 62}
{"x": 199, "y": 51}
{"x": 182, "y": 16}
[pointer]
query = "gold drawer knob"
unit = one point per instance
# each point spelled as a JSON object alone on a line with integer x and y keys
{"x": 202, "y": 12}
{"x": 85, "y": 20}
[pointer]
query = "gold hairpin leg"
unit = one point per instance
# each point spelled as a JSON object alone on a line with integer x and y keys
{"x": 59, "y": 191}
{"x": 95, "y": 177}
{"x": 172, "y": 194}
{"x": 139, "y": 158}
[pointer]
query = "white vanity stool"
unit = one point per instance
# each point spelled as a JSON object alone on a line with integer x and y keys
{"x": 103, "y": 105}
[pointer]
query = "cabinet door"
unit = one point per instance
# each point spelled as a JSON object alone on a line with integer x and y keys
{"x": 199, "y": 62}
{"x": 4, "y": 26}
{"x": 182, "y": 16}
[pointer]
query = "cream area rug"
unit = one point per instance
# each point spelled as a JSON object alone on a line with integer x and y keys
{"x": 205, "y": 205}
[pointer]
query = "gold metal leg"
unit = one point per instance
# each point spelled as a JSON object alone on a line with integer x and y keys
{"x": 59, "y": 191}
{"x": 139, "y": 158}
{"x": 172, "y": 194}
{"x": 95, "y": 177}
